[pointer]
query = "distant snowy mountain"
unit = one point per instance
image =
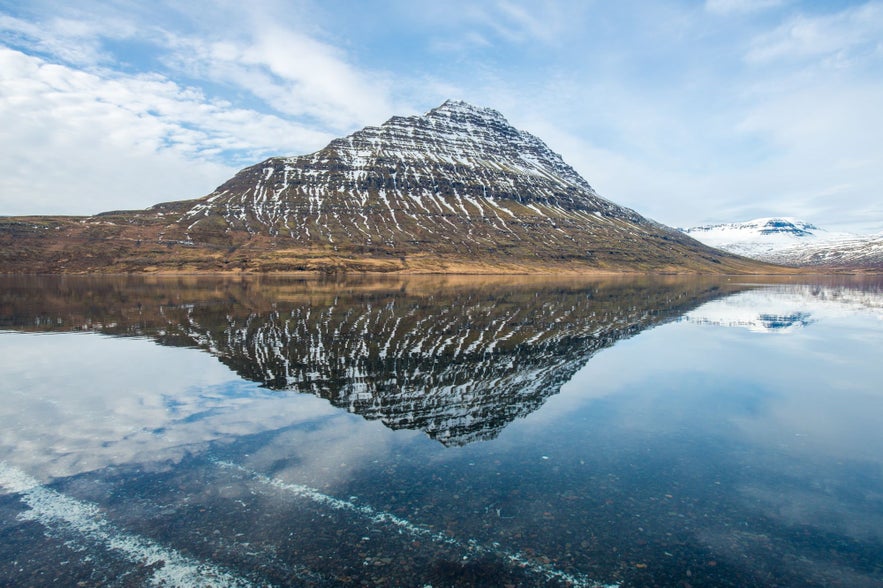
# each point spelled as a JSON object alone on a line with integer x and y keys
{"x": 758, "y": 237}
{"x": 790, "y": 241}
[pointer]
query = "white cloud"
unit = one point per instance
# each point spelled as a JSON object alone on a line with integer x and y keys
{"x": 741, "y": 139}
{"x": 518, "y": 22}
{"x": 466, "y": 26}
{"x": 669, "y": 109}
{"x": 161, "y": 139}
{"x": 465, "y": 43}
{"x": 853, "y": 32}
{"x": 293, "y": 74}
{"x": 320, "y": 80}
{"x": 70, "y": 40}
{"x": 827, "y": 147}
{"x": 80, "y": 416}
{"x": 729, "y": 7}
{"x": 94, "y": 141}
{"x": 794, "y": 146}
{"x": 809, "y": 97}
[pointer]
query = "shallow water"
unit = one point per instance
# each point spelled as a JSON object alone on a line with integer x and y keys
{"x": 443, "y": 432}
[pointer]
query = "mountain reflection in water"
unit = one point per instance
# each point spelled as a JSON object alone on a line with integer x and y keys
{"x": 458, "y": 361}
{"x": 737, "y": 445}
{"x": 785, "y": 308}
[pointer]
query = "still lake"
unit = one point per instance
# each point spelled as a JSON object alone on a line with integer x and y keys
{"x": 200, "y": 431}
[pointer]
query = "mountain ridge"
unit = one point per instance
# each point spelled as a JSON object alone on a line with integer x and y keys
{"x": 457, "y": 189}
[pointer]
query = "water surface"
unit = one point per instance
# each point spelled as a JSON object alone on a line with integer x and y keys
{"x": 444, "y": 432}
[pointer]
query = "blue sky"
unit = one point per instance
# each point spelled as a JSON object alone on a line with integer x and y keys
{"x": 689, "y": 112}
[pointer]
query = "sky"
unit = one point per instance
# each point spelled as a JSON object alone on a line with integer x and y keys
{"x": 690, "y": 112}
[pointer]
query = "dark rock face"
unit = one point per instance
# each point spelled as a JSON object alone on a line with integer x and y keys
{"x": 778, "y": 226}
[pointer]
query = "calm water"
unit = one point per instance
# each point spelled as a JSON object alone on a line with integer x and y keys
{"x": 431, "y": 432}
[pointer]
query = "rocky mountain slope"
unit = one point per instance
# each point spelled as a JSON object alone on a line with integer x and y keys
{"x": 793, "y": 242}
{"x": 457, "y": 189}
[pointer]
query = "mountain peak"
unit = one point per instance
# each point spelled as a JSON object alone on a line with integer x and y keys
{"x": 783, "y": 225}
{"x": 458, "y": 109}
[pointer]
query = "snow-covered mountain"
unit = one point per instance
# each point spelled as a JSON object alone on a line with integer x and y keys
{"x": 790, "y": 241}
{"x": 459, "y": 181}
{"x": 758, "y": 237}
{"x": 456, "y": 188}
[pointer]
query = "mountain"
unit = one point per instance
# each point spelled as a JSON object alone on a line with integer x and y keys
{"x": 788, "y": 241}
{"x": 756, "y": 238}
{"x": 456, "y": 361}
{"x": 457, "y": 189}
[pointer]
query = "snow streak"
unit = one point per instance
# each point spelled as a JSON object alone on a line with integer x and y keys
{"x": 58, "y": 512}
{"x": 379, "y": 517}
